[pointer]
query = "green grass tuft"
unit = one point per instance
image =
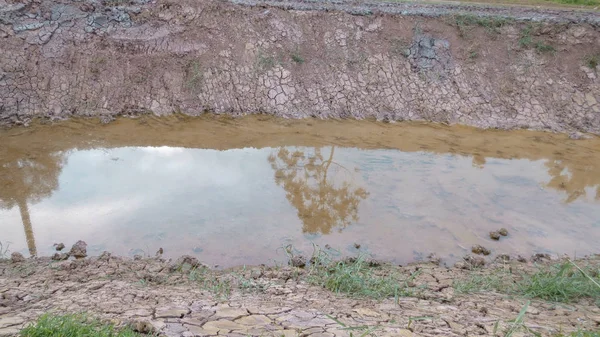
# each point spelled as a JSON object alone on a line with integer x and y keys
{"x": 541, "y": 47}
{"x": 592, "y": 61}
{"x": 565, "y": 282}
{"x": 297, "y": 58}
{"x": 357, "y": 278}
{"x": 491, "y": 23}
{"x": 560, "y": 283}
{"x": 73, "y": 326}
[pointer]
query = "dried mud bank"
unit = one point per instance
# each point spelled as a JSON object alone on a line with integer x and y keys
{"x": 502, "y": 68}
{"x": 175, "y": 299}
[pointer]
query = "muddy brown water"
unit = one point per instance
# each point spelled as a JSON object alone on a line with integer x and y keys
{"x": 235, "y": 191}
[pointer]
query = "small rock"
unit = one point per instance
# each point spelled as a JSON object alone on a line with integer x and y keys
{"x": 17, "y": 257}
{"x": 187, "y": 261}
{"x": 473, "y": 261}
{"x": 460, "y": 265}
{"x": 105, "y": 256}
{"x": 86, "y": 8}
{"x": 297, "y": 261}
{"x": 503, "y": 258}
{"x": 59, "y": 246}
{"x": 495, "y": 236}
{"x": 503, "y": 231}
{"x": 79, "y": 250}
{"x": 60, "y": 256}
{"x": 433, "y": 258}
{"x": 539, "y": 257}
{"x": 480, "y": 250}
{"x": 143, "y": 327}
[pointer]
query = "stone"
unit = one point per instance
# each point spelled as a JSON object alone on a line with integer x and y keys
{"x": 17, "y": 257}
{"x": 59, "y": 246}
{"x": 60, "y": 256}
{"x": 173, "y": 312}
{"x": 480, "y": 250}
{"x": 503, "y": 231}
{"x": 79, "y": 250}
{"x": 495, "y": 235}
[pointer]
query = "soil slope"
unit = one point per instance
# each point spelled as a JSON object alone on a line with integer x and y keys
{"x": 485, "y": 67}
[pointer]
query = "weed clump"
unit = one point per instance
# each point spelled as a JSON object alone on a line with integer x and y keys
{"x": 49, "y": 325}
{"x": 565, "y": 282}
{"x": 357, "y": 277}
{"x": 592, "y": 61}
{"x": 492, "y": 24}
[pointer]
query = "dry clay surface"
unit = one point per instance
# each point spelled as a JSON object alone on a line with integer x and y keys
{"x": 300, "y": 59}
{"x": 156, "y": 295}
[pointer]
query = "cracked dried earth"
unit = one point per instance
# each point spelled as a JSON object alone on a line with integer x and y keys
{"x": 512, "y": 68}
{"x": 156, "y": 295}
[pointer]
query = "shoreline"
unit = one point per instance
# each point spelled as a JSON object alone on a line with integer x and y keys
{"x": 186, "y": 299}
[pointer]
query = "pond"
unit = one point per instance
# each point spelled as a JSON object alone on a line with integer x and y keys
{"x": 241, "y": 191}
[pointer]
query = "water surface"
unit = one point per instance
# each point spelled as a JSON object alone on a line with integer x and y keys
{"x": 235, "y": 192}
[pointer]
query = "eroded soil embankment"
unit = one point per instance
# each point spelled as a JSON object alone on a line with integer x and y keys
{"x": 63, "y": 58}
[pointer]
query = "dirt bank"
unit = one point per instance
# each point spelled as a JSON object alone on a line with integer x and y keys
{"x": 262, "y": 301}
{"x": 490, "y": 68}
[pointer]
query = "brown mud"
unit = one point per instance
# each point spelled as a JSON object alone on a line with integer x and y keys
{"x": 503, "y": 67}
{"x": 154, "y": 294}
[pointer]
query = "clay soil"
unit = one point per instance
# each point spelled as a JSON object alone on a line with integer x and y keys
{"x": 153, "y": 294}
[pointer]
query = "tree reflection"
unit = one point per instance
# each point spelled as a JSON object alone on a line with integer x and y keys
{"x": 572, "y": 179}
{"x": 28, "y": 179}
{"x": 321, "y": 203}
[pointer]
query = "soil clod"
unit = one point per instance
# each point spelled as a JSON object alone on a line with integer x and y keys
{"x": 480, "y": 250}
{"x": 495, "y": 235}
{"x": 503, "y": 231}
{"x": 60, "y": 256}
{"x": 79, "y": 250}
{"x": 59, "y": 246}
{"x": 17, "y": 257}
{"x": 471, "y": 262}
{"x": 540, "y": 257}
{"x": 298, "y": 261}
